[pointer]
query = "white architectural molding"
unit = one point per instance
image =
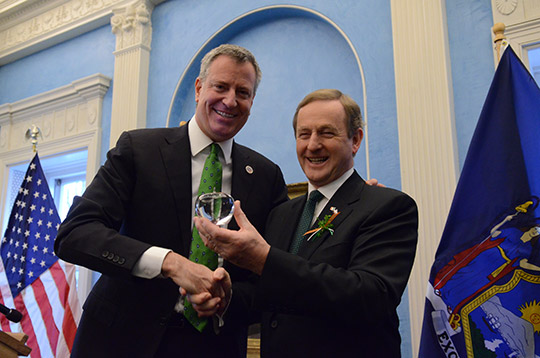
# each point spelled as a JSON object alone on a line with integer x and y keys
{"x": 511, "y": 12}
{"x": 427, "y": 143}
{"x": 66, "y": 111}
{"x": 133, "y": 29}
{"x": 522, "y": 25}
{"x": 28, "y": 26}
{"x": 70, "y": 120}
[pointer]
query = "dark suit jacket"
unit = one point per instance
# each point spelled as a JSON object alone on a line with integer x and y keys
{"x": 141, "y": 197}
{"x": 338, "y": 296}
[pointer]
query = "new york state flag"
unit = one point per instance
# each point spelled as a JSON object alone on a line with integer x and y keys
{"x": 483, "y": 296}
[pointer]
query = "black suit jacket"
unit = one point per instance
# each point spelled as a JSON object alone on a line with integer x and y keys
{"x": 338, "y": 296}
{"x": 141, "y": 197}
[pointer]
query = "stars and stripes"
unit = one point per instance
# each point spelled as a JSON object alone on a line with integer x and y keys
{"x": 39, "y": 285}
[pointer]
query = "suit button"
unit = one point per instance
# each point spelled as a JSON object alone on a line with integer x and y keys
{"x": 111, "y": 255}
{"x": 273, "y": 324}
{"x": 121, "y": 261}
{"x": 115, "y": 259}
{"x": 163, "y": 321}
{"x": 105, "y": 253}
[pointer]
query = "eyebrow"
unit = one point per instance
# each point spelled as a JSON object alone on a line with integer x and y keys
{"x": 326, "y": 126}
{"x": 244, "y": 88}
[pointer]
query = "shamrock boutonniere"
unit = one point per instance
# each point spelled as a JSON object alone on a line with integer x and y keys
{"x": 324, "y": 225}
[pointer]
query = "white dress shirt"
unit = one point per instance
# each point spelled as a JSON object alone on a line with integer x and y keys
{"x": 328, "y": 192}
{"x": 149, "y": 264}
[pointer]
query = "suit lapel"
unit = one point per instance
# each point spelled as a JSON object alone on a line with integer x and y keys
{"x": 342, "y": 201}
{"x": 176, "y": 154}
{"x": 242, "y": 182}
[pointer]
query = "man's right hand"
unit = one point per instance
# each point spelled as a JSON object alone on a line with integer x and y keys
{"x": 207, "y": 306}
{"x": 192, "y": 277}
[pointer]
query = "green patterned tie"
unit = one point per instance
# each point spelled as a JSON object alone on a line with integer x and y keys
{"x": 305, "y": 220}
{"x": 210, "y": 182}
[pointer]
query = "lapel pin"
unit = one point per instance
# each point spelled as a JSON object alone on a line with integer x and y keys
{"x": 249, "y": 169}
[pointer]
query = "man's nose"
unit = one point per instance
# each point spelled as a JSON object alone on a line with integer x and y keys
{"x": 230, "y": 98}
{"x": 314, "y": 142}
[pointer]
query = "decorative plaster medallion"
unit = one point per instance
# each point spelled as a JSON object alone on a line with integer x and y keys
{"x": 92, "y": 115}
{"x": 47, "y": 127}
{"x": 70, "y": 123}
{"x": 506, "y": 7}
{"x": 3, "y": 137}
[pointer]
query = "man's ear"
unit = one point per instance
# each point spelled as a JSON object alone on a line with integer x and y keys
{"x": 198, "y": 86}
{"x": 357, "y": 140}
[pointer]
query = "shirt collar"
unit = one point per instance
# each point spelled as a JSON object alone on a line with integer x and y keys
{"x": 330, "y": 189}
{"x": 198, "y": 141}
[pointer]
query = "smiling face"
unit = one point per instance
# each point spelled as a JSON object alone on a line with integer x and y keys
{"x": 325, "y": 151}
{"x": 224, "y": 98}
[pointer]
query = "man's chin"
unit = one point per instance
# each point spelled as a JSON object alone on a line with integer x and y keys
{"x": 221, "y": 134}
{"x": 315, "y": 178}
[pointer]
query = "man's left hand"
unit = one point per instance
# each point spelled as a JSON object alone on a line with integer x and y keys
{"x": 374, "y": 182}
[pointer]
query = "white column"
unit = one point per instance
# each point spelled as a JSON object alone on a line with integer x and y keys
{"x": 133, "y": 29}
{"x": 427, "y": 144}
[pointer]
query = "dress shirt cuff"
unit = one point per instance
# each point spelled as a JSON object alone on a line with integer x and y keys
{"x": 150, "y": 262}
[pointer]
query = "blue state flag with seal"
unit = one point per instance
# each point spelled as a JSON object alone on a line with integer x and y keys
{"x": 483, "y": 296}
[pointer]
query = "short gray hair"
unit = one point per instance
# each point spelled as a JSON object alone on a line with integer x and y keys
{"x": 237, "y": 53}
{"x": 353, "y": 115}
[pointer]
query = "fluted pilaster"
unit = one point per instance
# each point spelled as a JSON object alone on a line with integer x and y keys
{"x": 133, "y": 29}
{"x": 427, "y": 143}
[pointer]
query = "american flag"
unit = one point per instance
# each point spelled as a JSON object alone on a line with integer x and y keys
{"x": 32, "y": 278}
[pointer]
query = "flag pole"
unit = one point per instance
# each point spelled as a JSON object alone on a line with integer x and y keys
{"x": 32, "y": 134}
{"x": 500, "y": 39}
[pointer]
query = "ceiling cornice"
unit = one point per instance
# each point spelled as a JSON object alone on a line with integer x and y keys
{"x": 28, "y": 26}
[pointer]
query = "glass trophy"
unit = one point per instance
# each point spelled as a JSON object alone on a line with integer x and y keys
{"x": 218, "y": 207}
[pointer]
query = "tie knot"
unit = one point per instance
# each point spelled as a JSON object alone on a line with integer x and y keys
{"x": 215, "y": 149}
{"x": 315, "y": 196}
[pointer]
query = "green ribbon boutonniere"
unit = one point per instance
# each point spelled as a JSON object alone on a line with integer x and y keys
{"x": 324, "y": 225}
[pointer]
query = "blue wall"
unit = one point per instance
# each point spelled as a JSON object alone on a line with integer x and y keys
{"x": 59, "y": 66}
{"x": 182, "y": 27}
{"x": 473, "y": 67}
{"x": 180, "y": 30}
{"x": 297, "y": 54}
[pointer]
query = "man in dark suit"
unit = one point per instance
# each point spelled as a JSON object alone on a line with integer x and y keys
{"x": 134, "y": 224}
{"x": 331, "y": 291}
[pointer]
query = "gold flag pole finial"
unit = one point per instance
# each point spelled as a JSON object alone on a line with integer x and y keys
{"x": 32, "y": 134}
{"x": 500, "y": 39}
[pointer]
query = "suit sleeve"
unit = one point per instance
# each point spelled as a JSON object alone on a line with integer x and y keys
{"x": 359, "y": 273}
{"x": 90, "y": 235}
